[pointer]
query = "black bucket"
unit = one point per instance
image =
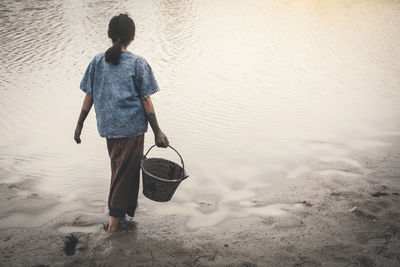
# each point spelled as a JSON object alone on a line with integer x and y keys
{"x": 161, "y": 177}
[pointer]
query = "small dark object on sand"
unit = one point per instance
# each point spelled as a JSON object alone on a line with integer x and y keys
{"x": 70, "y": 244}
{"x": 378, "y": 194}
{"x": 395, "y": 193}
{"x": 306, "y": 203}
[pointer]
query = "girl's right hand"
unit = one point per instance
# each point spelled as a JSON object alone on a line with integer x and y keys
{"x": 161, "y": 139}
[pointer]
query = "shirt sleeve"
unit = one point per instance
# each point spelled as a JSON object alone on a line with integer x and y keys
{"x": 145, "y": 82}
{"x": 87, "y": 81}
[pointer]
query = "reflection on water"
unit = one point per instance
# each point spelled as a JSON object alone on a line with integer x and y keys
{"x": 251, "y": 93}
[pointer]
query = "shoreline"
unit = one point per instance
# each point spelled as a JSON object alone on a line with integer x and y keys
{"x": 327, "y": 230}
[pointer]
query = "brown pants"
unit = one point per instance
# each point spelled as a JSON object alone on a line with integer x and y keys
{"x": 125, "y": 156}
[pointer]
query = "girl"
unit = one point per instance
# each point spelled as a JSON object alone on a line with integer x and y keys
{"x": 120, "y": 83}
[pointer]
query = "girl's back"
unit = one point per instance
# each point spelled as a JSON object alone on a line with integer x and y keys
{"x": 117, "y": 91}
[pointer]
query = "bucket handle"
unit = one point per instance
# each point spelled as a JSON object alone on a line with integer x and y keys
{"x": 183, "y": 165}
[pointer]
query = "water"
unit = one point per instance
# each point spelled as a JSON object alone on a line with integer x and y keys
{"x": 252, "y": 93}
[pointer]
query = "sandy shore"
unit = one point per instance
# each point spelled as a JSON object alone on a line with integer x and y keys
{"x": 342, "y": 221}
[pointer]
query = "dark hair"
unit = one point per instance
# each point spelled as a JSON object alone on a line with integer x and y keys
{"x": 121, "y": 30}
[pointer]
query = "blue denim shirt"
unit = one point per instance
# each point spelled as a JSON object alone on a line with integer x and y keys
{"x": 117, "y": 91}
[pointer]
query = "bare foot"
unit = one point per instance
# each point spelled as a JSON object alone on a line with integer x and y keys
{"x": 113, "y": 224}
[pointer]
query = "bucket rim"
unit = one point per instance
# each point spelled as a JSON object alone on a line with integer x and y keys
{"x": 162, "y": 179}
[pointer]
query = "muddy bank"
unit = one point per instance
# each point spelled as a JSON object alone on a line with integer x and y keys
{"x": 315, "y": 236}
{"x": 341, "y": 221}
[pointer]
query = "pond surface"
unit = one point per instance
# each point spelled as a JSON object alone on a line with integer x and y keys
{"x": 252, "y": 93}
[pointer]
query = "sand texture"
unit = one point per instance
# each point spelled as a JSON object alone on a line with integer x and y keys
{"x": 340, "y": 222}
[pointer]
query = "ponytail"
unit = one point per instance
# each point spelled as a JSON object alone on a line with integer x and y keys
{"x": 113, "y": 54}
{"x": 121, "y": 30}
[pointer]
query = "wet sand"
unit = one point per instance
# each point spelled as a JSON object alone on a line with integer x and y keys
{"x": 343, "y": 221}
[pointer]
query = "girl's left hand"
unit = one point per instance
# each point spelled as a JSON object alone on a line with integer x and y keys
{"x": 77, "y": 135}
